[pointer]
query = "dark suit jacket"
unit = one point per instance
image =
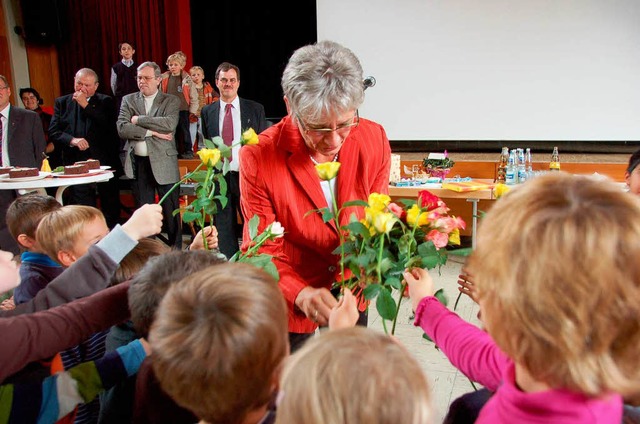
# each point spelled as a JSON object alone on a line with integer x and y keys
{"x": 100, "y": 130}
{"x": 163, "y": 118}
{"x": 25, "y": 138}
{"x": 251, "y": 116}
{"x": 26, "y": 144}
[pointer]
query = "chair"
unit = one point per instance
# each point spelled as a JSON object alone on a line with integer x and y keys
{"x": 184, "y": 199}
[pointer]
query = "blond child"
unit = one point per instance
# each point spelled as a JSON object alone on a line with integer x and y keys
{"x": 177, "y": 81}
{"x": 37, "y": 269}
{"x": 557, "y": 277}
{"x": 206, "y": 95}
{"x": 354, "y": 375}
{"x": 219, "y": 339}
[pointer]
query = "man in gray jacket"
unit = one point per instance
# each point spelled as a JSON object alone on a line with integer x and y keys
{"x": 148, "y": 121}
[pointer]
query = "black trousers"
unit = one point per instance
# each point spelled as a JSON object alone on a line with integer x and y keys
{"x": 227, "y": 219}
{"x": 297, "y": 340}
{"x": 144, "y": 187}
{"x": 184, "y": 144}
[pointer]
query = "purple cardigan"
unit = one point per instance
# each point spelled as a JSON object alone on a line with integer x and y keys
{"x": 473, "y": 352}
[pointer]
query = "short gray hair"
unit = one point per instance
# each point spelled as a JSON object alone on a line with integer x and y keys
{"x": 87, "y": 71}
{"x": 156, "y": 69}
{"x": 323, "y": 79}
{"x": 4, "y": 79}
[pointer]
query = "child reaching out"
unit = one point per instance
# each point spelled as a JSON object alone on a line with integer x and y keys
{"x": 557, "y": 280}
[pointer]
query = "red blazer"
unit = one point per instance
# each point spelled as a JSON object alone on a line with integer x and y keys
{"x": 278, "y": 182}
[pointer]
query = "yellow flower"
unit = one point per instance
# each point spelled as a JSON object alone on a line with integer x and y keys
{"x": 328, "y": 170}
{"x": 416, "y": 218}
{"x": 383, "y": 222}
{"x": 209, "y": 156}
{"x": 454, "y": 237}
{"x": 500, "y": 190}
{"x": 378, "y": 201}
{"x": 249, "y": 137}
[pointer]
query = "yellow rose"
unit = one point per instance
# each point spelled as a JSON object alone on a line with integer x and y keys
{"x": 249, "y": 137}
{"x": 209, "y": 157}
{"x": 383, "y": 222}
{"x": 328, "y": 170}
{"x": 415, "y": 218}
{"x": 378, "y": 201}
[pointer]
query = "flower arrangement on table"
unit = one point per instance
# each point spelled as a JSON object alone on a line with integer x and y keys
{"x": 392, "y": 237}
{"x": 438, "y": 165}
{"x": 209, "y": 174}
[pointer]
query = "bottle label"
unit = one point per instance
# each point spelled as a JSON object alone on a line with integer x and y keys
{"x": 554, "y": 166}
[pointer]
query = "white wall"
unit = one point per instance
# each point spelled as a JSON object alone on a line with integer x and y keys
{"x": 17, "y": 49}
{"x": 495, "y": 69}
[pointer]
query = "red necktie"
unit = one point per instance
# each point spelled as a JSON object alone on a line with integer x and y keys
{"x": 227, "y": 126}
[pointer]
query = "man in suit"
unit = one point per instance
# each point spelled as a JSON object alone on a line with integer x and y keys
{"x": 244, "y": 114}
{"x": 83, "y": 127}
{"x": 22, "y": 144}
{"x": 148, "y": 120}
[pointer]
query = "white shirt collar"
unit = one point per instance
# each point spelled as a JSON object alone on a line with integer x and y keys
{"x": 5, "y": 112}
{"x": 127, "y": 62}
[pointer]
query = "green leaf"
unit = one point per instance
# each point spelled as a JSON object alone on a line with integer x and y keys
{"x": 430, "y": 261}
{"x": 190, "y": 216}
{"x": 355, "y": 203}
{"x": 442, "y": 298}
{"x": 358, "y": 229}
{"x": 253, "y": 226}
{"x": 327, "y": 215}
{"x": 371, "y": 291}
{"x": 271, "y": 269}
{"x": 259, "y": 260}
{"x": 385, "y": 305}
{"x": 394, "y": 282}
{"x": 424, "y": 336}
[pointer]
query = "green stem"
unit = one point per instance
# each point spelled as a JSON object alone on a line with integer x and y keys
{"x": 204, "y": 236}
{"x": 384, "y": 325}
{"x": 176, "y": 185}
{"x": 395, "y": 318}
{"x": 336, "y": 218}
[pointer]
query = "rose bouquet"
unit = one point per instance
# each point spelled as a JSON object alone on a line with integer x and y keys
{"x": 392, "y": 237}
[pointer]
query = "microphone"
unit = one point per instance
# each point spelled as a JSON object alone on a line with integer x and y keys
{"x": 369, "y": 82}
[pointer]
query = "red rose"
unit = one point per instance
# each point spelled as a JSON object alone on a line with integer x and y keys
{"x": 428, "y": 200}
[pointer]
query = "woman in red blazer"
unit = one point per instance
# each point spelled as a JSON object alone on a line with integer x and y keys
{"x": 323, "y": 88}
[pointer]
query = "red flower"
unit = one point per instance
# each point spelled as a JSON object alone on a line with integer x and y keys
{"x": 428, "y": 200}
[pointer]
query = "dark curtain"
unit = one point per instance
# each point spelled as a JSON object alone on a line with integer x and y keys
{"x": 258, "y": 37}
{"x": 96, "y": 27}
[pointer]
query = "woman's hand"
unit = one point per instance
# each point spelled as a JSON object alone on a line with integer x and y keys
{"x": 420, "y": 285}
{"x": 316, "y": 304}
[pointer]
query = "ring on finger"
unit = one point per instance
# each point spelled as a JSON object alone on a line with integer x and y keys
{"x": 315, "y": 315}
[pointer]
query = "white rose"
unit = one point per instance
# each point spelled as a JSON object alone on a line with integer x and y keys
{"x": 276, "y": 230}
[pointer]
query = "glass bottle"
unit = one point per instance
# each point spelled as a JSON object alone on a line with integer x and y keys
{"x": 554, "y": 165}
{"x": 521, "y": 169}
{"x": 528, "y": 163}
{"x": 502, "y": 166}
{"x": 512, "y": 173}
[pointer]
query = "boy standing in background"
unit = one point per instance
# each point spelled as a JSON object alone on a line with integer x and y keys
{"x": 206, "y": 95}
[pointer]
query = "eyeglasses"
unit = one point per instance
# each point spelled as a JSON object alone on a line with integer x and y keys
{"x": 143, "y": 78}
{"x": 342, "y": 129}
{"x": 4, "y": 88}
{"x": 230, "y": 81}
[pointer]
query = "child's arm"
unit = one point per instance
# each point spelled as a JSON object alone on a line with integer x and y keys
{"x": 469, "y": 349}
{"x": 31, "y": 337}
{"x": 59, "y": 394}
{"x": 92, "y": 272}
{"x": 345, "y": 314}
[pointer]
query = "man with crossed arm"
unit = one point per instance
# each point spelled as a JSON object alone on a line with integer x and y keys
{"x": 148, "y": 120}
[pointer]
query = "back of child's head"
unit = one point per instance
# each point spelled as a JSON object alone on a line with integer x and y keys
{"x": 178, "y": 57}
{"x": 151, "y": 283}
{"x": 60, "y": 229}
{"x": 558, "y": 280}
{"x": 218, "y": 341}
{"x": 26, "y": 212}
{"x": 131, "y": 264}
{"x": 354, "y": 375}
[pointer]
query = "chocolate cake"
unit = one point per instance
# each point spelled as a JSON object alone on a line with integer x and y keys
{"x": 23, "y": 172}
{"x": 5, "y": 169}
{"x": 91, "y": 163}
{"x": 76, "y": 169}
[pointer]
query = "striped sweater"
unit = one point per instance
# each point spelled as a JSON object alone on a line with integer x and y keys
{"x": 59, "y": 394}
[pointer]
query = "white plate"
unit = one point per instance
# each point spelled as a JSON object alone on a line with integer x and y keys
{"x": 24, "y": 179}
{"x": 95, "y": 171}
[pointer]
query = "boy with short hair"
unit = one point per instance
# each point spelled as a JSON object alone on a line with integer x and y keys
{"x": 219, "y": 339}
{"x": 37, "y": 269}
{"x": 67, "y": 233}
{"x": 206, "y": 95}
{"x": 177, "y": 81}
